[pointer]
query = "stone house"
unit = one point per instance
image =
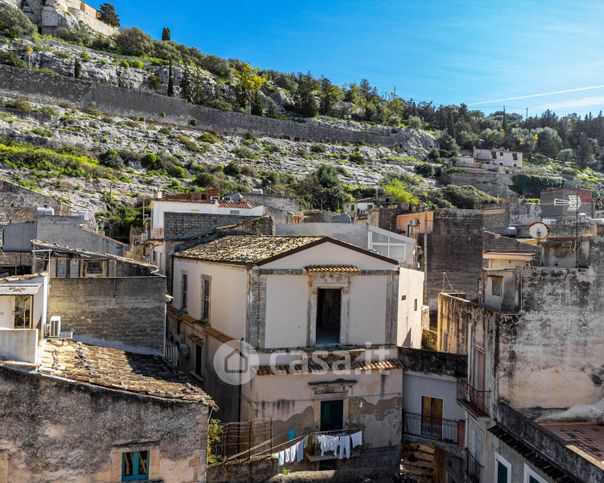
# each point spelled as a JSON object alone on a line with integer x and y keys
{"x": 105, "y": 299}
{"x": 177, "y": 219}
{"x": 76, "y": 412}
{"x": 296, "y": 310}
{"x": 50, "y": 15}
{"x": 535, "y": 346}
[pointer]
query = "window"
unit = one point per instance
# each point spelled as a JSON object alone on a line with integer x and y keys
{"x": 183, "y": 291}
{"x": 445, "y": 341}
{"x": 531, "y": 477}
{"x": 415, "y": 305}
{"x": 233, "y": 212}
{"x": 500, "y": 153}
{"x": 205, "y": 297}
{"x": 478, "y": 373}
{"x": 198, "y": 355}
{"x": 494, "y": 154}
{"x": 93, "y": 268}
{"x": 135, "y": 466}
{"x": 503, "y": 470}
{"x": 515, "y": 157}
{"x": 496, "y": 286}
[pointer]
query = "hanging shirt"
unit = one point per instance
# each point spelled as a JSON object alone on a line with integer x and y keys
{"x": 357, "y": 439}
{"x": 328, "y": 443}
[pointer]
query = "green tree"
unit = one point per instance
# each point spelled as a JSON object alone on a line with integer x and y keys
{"x": 397, "y": 189}
{"x": 170, "y": 81}
{"x": 134, "y": 42}
{"x": 329, "y": 96}
{"x": 166, "y": 35}
{"x": 306, "y": 103}
{"x": 322, "y": 189}
{"x": 108, "y": 15}
{"x": 249, "y": 84}
{"x": 77, "y": 69}
{"x": 14, "y": 23}
{"x": 548, "y": 142}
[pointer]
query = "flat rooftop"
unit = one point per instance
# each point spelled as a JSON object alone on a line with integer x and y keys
{"x": 587, "y": 437}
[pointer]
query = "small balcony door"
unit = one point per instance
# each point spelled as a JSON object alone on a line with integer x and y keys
{"x": 22, "y": 312}
{"x": 332, "y": 415}
{"x": 329, "y": 311}
{"x": 432, "y": 417}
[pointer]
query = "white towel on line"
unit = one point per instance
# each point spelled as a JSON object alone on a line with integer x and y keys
{"x": 357, "y": 439}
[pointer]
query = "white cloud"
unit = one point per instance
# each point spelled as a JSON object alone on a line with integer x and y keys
{"x": 592, "y": 101}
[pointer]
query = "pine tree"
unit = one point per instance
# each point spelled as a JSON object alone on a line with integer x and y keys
{"x": 77, "y": 69}
{"x": 108, "y": 15}
{"x": 166, "y": 35}
{"x": 186, "y": 87}
{"x": 171, "y": 81}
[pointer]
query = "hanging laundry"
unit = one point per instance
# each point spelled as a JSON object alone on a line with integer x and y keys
{"x": 281, "y": 455}
{"x": 357, "y": 439}
{"x": 328, "y": 443}
{"x": 300, "y": 451}
{"x": 290, "y": 454}
{"x": 344, "y": 451}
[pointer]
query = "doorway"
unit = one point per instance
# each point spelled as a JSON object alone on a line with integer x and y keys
{"x": 329, "y": 312}
{"x": 332, "y": 415}
{"x": 22, "y": 312}
{"x": 432, "y": 417}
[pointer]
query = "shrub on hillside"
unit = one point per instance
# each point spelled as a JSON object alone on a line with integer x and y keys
{"x": 232, "y": 169}
{"x": 531, "y": 185}
{"x": 112, "y": 159}
{"x": 12, "y": 59}
{"x": 424, "y": 169}
{"x": 466, "y": 197}
{"x": 134, "y": 42}
{"x": 14, "y": 23}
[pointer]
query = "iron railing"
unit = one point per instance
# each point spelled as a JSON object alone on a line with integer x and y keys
{"x": 475, "y": 400}
{"x": 473, "y": 467}
{"x": 444, "y": 430}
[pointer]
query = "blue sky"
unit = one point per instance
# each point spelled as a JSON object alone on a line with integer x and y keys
{"x": 448, "y": 51}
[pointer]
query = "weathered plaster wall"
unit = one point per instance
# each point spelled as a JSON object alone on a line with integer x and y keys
{"x": 554, "y": 355}
{"x": 410, "y": 302}
{"x": 55, "y": 431}
{"x": 129, "y": 311}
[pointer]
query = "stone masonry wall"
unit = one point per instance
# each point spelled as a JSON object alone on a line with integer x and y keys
{"x": 128, "y": 311}
{"x": 181, "y": 226}
{"x": 53, "y": 430}
{"x": 455, "y": 249}
{"x": 118, "y": 101}
{"x": 19, "y": 204}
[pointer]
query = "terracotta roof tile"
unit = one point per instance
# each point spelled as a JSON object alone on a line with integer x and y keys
{"x": 248, "y": 250}
{"x": 118, "y": 369}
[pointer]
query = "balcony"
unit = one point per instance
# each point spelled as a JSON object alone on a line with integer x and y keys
{"x": 473, "y": 468}
{"x": 472, "y": 399}
{"x": 443, "y": 430}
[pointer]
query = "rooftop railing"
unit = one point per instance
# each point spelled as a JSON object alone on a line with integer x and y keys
{"x": 444, "y": 430}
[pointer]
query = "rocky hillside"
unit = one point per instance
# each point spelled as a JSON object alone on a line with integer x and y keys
{"x": 133, "y": 158}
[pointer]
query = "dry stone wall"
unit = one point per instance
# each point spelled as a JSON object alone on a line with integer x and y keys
{"x": 119, "y": 101}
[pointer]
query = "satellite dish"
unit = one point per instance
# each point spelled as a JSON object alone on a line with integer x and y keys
{"x": 539, "y": 230}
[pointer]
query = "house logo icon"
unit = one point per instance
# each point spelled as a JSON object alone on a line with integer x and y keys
{"x": 236, "y": 362}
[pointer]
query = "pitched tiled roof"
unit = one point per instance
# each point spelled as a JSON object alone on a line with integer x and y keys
{"x": 116, "y": 369}
{"x": 248, "y": 250}
{"x": 258, "y": 249}
{"x": 363, "y": 366}
{"x": 332, "y": 268}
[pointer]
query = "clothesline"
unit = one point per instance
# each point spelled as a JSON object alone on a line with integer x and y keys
{"x": 340, "y": 445}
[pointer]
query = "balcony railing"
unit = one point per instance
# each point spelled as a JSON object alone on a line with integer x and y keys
{"x": 473, "y": 399}
{"x": 444, "y": 430}
{"x": 473, "y": 467}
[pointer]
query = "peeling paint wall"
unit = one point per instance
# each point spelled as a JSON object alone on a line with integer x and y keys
{"x": 56, "y": 431}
